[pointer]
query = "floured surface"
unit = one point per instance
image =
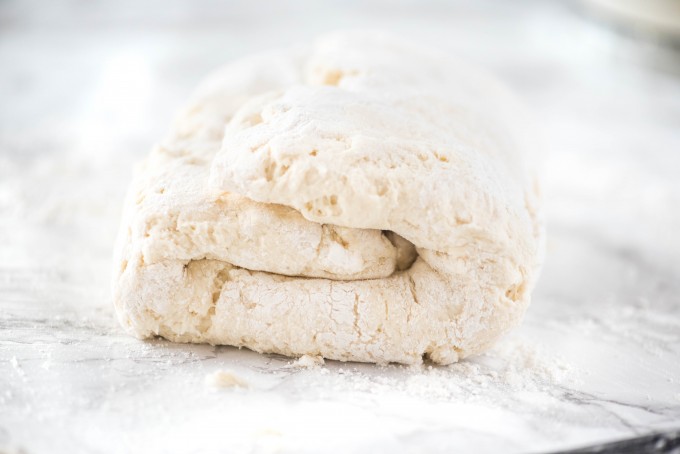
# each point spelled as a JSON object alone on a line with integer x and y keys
{"x": 597, "y": 357}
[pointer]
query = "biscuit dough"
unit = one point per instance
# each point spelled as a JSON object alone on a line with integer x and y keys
{"x": 358, "y": 200}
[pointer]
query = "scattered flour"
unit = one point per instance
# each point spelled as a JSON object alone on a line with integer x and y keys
{"x": 493, "y": 378}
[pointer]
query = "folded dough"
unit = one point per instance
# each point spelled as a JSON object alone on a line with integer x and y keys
{"x": 361, "y": 200}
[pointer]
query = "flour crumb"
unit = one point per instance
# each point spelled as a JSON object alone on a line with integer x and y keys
{"x": 308, "y": 362}
{"x": 17, "y": 367}
{"x": 225, "y": 379}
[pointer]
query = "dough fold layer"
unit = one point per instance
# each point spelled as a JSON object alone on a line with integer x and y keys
{"x": 359, "y": 199}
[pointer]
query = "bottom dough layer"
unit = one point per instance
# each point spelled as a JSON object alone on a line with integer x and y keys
{"x": 402, "y": 318}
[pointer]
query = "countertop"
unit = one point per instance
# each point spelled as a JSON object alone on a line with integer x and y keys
{"x": 87, "y": 88}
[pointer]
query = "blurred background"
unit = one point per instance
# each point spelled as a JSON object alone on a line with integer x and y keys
{"x": 87, "y": 87}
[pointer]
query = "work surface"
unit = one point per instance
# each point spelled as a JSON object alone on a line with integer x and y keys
{"x": 85, "y": 92}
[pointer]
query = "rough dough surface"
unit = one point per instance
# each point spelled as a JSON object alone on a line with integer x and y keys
{"x": 359, "y": 199}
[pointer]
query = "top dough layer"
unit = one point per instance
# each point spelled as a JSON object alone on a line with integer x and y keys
{"x": 378, "y": 135}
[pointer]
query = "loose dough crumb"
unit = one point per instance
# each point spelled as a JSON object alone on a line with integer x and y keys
{"x": 225, "y": 379}
{"x": 308, "y": 362}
